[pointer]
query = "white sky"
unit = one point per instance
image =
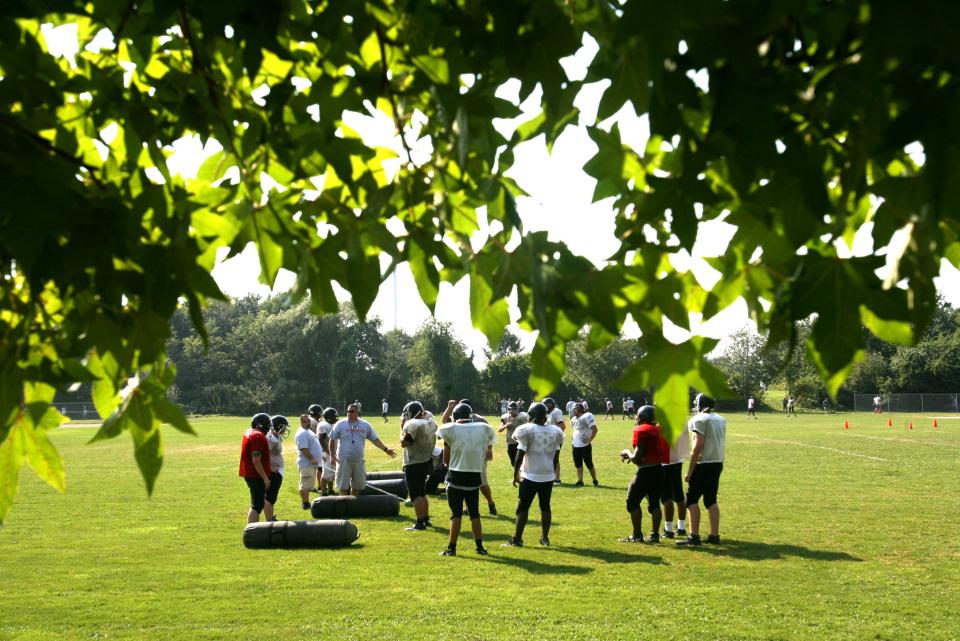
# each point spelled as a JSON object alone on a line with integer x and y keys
{"x": 559, "y": 202}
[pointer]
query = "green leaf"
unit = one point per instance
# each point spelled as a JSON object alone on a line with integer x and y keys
{"x": 490, "y": 317}
{"x": 148, "y": 452}
{"x": 892, "y": 331}
{"x": 40, "y": 453}
{"x": 436, "y": 68}
{"x": 170, "y": 414}
{"x": 546, "y": 366}
{"x": 11, "y": 458}
{"x": 425, "y": 273}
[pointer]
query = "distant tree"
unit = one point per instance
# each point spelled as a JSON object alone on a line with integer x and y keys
{"x": 748, "y": 365}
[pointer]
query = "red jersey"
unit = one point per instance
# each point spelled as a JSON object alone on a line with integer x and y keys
{"x": 254, "y": 441}
{"x": 655, "y": 447}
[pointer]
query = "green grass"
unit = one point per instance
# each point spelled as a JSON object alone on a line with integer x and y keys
{"x": 817, "y": 544}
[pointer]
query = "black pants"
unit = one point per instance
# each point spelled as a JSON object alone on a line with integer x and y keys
{"x": 529, "y": 489}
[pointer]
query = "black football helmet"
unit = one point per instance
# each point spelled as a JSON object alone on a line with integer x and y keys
{"x": 315, "y": 411}
{"x": 280, "y": 425}
{"x": 550, "y": 403}
{"x": 513, "y": 406}
{"x": 703, "y": 402}
{"x": 330, "y": 415}
{"x": 537, "y": 413}
{"x": 413, "y": 409}
{"x": 646, "y": 414}
{"x": 462, "y": 411}
{"x": 261, "y": 422}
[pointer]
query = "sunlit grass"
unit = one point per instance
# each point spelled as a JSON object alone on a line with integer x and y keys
{"x": 828, "y": 533}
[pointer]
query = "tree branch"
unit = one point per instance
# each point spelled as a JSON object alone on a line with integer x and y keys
{"x": 53, "y": 149}
{"x": 385, "y": 84}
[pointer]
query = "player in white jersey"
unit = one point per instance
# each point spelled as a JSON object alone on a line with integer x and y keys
{"x": 533, "y": 471}
{"x": 584, "y": 431}
{"x": 706, "y": 463}
{"x": 555, "y": 417}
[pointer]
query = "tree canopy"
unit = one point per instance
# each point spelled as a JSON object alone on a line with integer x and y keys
{"x": 800, "y": 137}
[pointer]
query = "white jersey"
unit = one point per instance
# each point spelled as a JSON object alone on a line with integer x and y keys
{"x": 555, "y": 417}
{"x": 468, "y": 444}
{"x": 540, "y": 443}
{"x": 750, "y": 403}
{"x": 713, "y": 428}
{"x": 570, "y": 405}
{"x": 276, "y": 452}
{"x": 386, "y": 406}
{"x": 680, "y": 449}
{"x": 582, "y": 429}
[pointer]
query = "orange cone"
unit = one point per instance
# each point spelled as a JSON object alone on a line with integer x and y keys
{"x": 846, "y": 425}
{"x": 911, "y": 425}
{"x": 889, "y": 422}
{"x": 934, "y": 423}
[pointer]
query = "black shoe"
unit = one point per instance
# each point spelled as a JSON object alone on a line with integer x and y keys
{"x": 427, "y": 523}
{"x": 596, "y": 483}
{"x": 713, "y": 538}
{"x": 493, "y": 509}
{"x": 315, "y": 490}
{"x": 681, "y": 532}
{"x": 631, "y": 539}
{"x": 513, "y": 542}
{"x": 416, "y": 527}
{"x": 667, "y": 534}
{"x": 305, "y": 505}
{"x": 578, "y": 484}
{"x": 482, "y": 551}
{"x": 653, "y": 538}
{"x": 544, "y": 541}
{"x": 449, "y": 552}
{"x": 556, "y": 481}
{"x": 691, "y": 541}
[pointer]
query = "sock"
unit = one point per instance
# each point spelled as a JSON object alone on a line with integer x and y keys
{"x": 451, "y": 546}
{"x": 479, "y": 543}
{"x": 682, "y": 524}
{"x": 668, "y": 526}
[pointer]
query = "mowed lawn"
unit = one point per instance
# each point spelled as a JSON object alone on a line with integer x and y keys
{"x": 827, "y": 533}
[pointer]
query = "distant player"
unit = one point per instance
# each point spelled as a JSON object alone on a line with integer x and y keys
{"x": 510, "y": 421}
{"x": 385, "y": 408}
{"x": 609, "y": 416}
{"x": 327, "y": 472}
{"x": 650, "y": 452}
{"x": 569, "y": 406}
{"x": 706, "y": 463}
{"x": 309, "y": 458}
{"x": 279, "y": 428}
{"x": 533, "y": 471}
{"x": 791, "y": 406}
{"x": 555, "y": 417}
{"x": 877, "y": 404}
{"x": 751, "y": 407}
{"x": 584, "y": 431}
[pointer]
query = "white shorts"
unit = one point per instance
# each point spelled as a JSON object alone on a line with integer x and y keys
{"x": 308, "y": 478}
{"x": 351, "y": 475}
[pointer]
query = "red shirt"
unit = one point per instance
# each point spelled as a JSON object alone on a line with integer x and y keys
{"x": 655, "y": 447}
{"x": 254, "y": 441}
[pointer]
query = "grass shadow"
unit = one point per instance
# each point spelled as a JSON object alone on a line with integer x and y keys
{"x": 533, "y": 566}
{"x": 759, "y": 551}
{"x": 612, "y": 556}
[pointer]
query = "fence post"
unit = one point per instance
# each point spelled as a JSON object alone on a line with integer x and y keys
{"x": 921, "y": 403}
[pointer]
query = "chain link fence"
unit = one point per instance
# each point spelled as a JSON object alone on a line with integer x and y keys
{"x": 912, "y": 403}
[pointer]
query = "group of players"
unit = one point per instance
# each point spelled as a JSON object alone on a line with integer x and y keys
{"x": 330, "y": 454}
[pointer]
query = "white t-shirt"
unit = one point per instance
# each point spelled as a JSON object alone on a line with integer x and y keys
{"x": 713, "y": 427}
{"x": 512, "y": 423}
{"x": 570, "y": 405}
{"x": 876, "y": 401}
{"x": 681, "y": 449}
{"x": 609, "y": 406}
{"x": 276, "y": 452}
{"x": 540, "y": 443}
{"x": 386, "y": 406}
{"x": 555, "y": 417}
{"x": 424, "y": 433}
{"x": 750, "y": 403}
{"x": 582, "y": 427}
{"x": 629, "y": 404}
{"x": 307, "y": 440}
{"x": 468, "y": 444}
{"x": 325, "y": 428}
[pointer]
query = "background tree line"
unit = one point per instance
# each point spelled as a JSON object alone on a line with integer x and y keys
{"x": 931, "y": 366}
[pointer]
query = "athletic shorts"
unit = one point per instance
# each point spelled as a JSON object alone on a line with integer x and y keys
{"x": 258, "y": 492}
{"x": 456, "y": 499}
{"x": 351, "y": 475}
{"x": 583, "y": 455}
{"x": 512, "y": 453}
{"x": 671, "y": 489}
{"x": 646, "y": 483}
{"x": 437, "y": 476}
{"x": 529, "y": 489}
{"x": 704, "y": 483}
{"x": 276, "y": 480}
{"x": 308, "y": 478}
{"x": 416, "y": 475}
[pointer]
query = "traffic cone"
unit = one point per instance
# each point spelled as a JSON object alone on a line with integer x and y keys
{"x": 911, "y": 425}
{"x": 846, "y": 425}
{"x": 889, "y": 422}
{"x": 934, "y": 423}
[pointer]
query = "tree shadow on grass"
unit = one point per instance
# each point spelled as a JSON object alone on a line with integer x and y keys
{"x": 759, "y": 551}
{"x": 612, "y": 556}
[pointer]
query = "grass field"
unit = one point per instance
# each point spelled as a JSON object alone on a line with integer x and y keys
{"x": 827, "y": 533}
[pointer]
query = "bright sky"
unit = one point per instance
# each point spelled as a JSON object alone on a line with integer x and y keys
{"x": 559, "y": 202}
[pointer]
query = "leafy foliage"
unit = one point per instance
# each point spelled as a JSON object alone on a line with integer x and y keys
{"x": 797, "y": 128}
